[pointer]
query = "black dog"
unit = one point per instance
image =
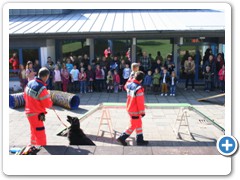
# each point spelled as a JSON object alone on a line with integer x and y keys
{"x": 76, "y": 135}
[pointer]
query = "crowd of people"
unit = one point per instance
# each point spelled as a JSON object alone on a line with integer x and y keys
{"x": 110, "y": 73}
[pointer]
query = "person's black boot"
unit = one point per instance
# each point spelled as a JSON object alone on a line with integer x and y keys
{"x": 107, "y": 90}
{"x": 122, "y": 139}
{"x": 140, "y": 141}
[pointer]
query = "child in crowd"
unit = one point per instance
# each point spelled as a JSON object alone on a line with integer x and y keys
{"x": 116, "y": 81}
{"x": 109, "y": 82}
{"x": 161, "y": 71}
{"x": 156, "y": 80}
{"x": 22, "y": 77}
{"x": 30, "y": 74}
{"x": 99, "y": 76}
{"x": 221, "y": 75}
{"x": 126, "y": 73}
{"x": 69, "y": 67}
{"x": 104, "y": 77}
{"x": 134, "y": 68}
{"x": 208, "y": 79}
{"x": 74, "y": 78}
{"x": 90, "y": 78}
{"x": 65, "y": 77}
{"x": 82, "y": 77}
{"x": 164, "y": 81}
{"x": 57, "y": 80}
{"x": 147, "y": 83}
{"x": 173, "y": 82}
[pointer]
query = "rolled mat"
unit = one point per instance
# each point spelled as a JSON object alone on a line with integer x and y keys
{"x": 16, "y": 100}
{"x": 63, "y": 99}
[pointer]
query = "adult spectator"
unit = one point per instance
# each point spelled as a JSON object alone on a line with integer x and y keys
{"x": 151, "y": 58}
{"x": 128, "y": 54}
{"x": 212, "y": 64}
{"x": 114, "y": 64}
{"x": 22, "y": 76}
{"x": 157, "y": 65}
{"x": 14, "y": 61}
{"x": 159, "y": 56}
{"x": 105, "y": 64}
{"x": 189, "y": 68}
{"x": 36, "y": 66}
{"x": 145, "y": 62}
{"x": 169, "y": 64}
{"x": 207, "y": 53}
{"x": 86, "y": 61}
{"x": 50, "y": 66}
{"x": 184, "y": 58}
{"x": 107, "y": 52}
{"x": 219, "y": 64}
{"x": 65, "y": 77}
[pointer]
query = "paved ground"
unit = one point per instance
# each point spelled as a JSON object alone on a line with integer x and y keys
{"x": 157, "y": 125}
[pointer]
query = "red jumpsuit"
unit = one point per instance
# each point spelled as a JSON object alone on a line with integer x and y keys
{"x": 135, "y": 106}
{"x": 37, "y": 99}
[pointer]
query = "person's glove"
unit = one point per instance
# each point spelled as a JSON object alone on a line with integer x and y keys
{"x": 41, "y": 117}
{"x": 142, "y": 115}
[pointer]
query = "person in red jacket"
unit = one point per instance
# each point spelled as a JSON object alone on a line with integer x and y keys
{"x": 221, "y": 75}
{"x": 14, "y": 61}
{"x": 37, "y": 99}
{"x": 135, "y": 109}
{"x": 116, "y": 81}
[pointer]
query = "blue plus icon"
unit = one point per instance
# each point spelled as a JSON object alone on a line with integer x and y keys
{"x": 227, "y": 145}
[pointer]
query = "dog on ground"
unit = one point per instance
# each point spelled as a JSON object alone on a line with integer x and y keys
{"x": 76, "y": 135}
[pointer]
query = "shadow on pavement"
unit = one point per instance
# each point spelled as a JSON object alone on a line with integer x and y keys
{"x": 66, "y": 150}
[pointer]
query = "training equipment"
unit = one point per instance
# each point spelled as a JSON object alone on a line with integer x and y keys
{"x": 16, "y": 100}
{"x": 208, "y": 99}
{"x": 63, "y": 99}
{"x": 106, "y": 117}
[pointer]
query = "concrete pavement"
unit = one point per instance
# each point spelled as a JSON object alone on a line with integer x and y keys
{"x": 157, "y": 126}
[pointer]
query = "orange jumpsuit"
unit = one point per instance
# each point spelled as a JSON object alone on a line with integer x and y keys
{"x": 135, "y": 107}
{"x": 37, "y": 99}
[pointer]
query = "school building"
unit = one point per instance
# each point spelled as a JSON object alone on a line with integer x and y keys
{"x": 39, "y": 33}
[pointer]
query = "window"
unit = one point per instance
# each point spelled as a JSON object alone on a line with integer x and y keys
{"x": 29, "y": 55}
{"x": 152, "y": 46}
{"x": 73, "y": 48}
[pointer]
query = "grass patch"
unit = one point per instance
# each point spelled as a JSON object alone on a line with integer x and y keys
{"x": 120, "y": 46}
{"x": 153, "y": 46}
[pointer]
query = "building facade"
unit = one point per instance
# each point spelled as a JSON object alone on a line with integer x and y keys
{"x": 59, "y": 33}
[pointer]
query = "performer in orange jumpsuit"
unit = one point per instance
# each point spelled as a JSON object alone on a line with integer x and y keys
{"x": 135, "y": 109}
{"x": 37, "y": 99}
